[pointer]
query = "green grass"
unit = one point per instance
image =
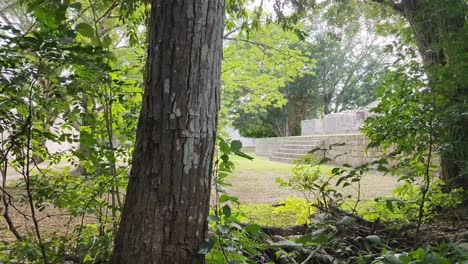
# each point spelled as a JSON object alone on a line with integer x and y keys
{"x": 256, "y": 178}
{"x": 263, "y": 214}
{"x": 260, "y": 164}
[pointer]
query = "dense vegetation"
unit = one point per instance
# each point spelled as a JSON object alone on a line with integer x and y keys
{"x": 99, "y": 75}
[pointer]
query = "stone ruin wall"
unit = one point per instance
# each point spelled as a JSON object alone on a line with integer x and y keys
{"x": 334, "y": 128}
{"x": 338, "y": 123}
{"x": 353, "y": 152}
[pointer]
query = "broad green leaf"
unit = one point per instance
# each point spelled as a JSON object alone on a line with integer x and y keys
{"x": 227, "y": 210}
{"x": 236, "y": 145}
{"x": 374, "y": 239}
{"x": 213, "y": 218}
{"x": 85, "y": 30}
{"x": 243, "y": 155}
{"x": 224, "y": 147}
{"x": 252, "y": 228}
{"x": 223, "y": 229}
{"x": 107, "y": 41}
{"x": 46, "y": 17}
{"x": 235, "y": 225}
{"x": 205, "y": 247}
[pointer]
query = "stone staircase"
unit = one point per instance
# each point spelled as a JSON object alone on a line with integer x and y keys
{"x": 293, "y": 149}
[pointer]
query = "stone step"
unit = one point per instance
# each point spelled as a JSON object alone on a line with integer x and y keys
{"x": 305, "y": 141}
{"x": 294, "y": 150}
{"x": 287, "y": 155}
{"x": 300, "y": 146}
{"x": 283, "y": 160}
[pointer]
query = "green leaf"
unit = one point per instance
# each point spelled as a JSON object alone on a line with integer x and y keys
{"x": 306, "y": 239}
{"x": 225, "y": 157}
{"x": 235, "y": 225}
{"x": 374, "y": 239}
{"x": 88, "y": 258}
{"x": 213, "y": 218}
{"x": 389, "y": 205}
{"x": 223, "y": 198}
{"x": 324, "y": 160}
{"x": 205, "y": 247}
{"x": 243, "y": 155}
{"x": 227, "y": 210}
{"x": 335, "y": 171}
{"x": 107, "y": 41}
{"x": 224, "y": 147}
{"x": 85, "y": 30}
{"x": 46, "y": 17}
{"x": 253, "y": 228}
{"x": 223, "y": 229}
{"x": 236, "y": 145}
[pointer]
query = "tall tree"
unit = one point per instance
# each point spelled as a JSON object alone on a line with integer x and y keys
{"x": 256, "y": 68}
{"x": 349, "y": 55}
{"x": 167, "y": 204}
{"x": 440, "y": 33}
{"x": 303, "y": 102}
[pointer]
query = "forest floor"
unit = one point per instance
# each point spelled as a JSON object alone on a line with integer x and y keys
{"x": 253, "y": 182}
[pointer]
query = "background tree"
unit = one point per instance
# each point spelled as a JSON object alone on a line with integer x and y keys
{"x": 303, "y": 102}
{"x": 347, "y": 57}
{"x": 438, "y": 30}
{"x": 347, "y": 68}
{"x": 256, "y": 68}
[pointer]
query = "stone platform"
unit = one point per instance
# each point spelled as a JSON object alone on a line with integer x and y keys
{"x": 289, "y": 149}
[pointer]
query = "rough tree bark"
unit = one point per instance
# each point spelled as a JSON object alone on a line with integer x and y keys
{"x": 167, "y": 203}
{"x": 440, "y": 34}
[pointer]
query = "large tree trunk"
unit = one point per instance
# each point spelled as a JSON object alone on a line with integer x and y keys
{"x": 438, "y": 28}
{"x": 165, "y": 213}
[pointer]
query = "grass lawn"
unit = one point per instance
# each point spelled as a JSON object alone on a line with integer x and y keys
{"x": 254, "y": 183}
{"x": 260, "y": 164}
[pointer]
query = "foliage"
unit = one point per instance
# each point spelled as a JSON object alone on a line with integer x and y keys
{"x": 347, "y": 57}
{"x": 267, "y": 215}
{"x": 230, "y": 239}
{"x": 443, "y": 253}
{"x": 303, "y": 101}
{"x": 404, "y": 205}
{"x": 429, "y": 92}
{"x": 256, "y": 68}
{"x": 62, "y": 83}
{"x": 319, "y": 189}
{"x": 297, "y": 207}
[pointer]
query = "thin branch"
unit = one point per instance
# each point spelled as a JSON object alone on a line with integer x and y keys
{"x": 259, "y": 44}
{"x": 26, "y": 176}
{"x": 427, "y": 178}
{"x": 108, "y": 11}
{"x": 7, "y": 203}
